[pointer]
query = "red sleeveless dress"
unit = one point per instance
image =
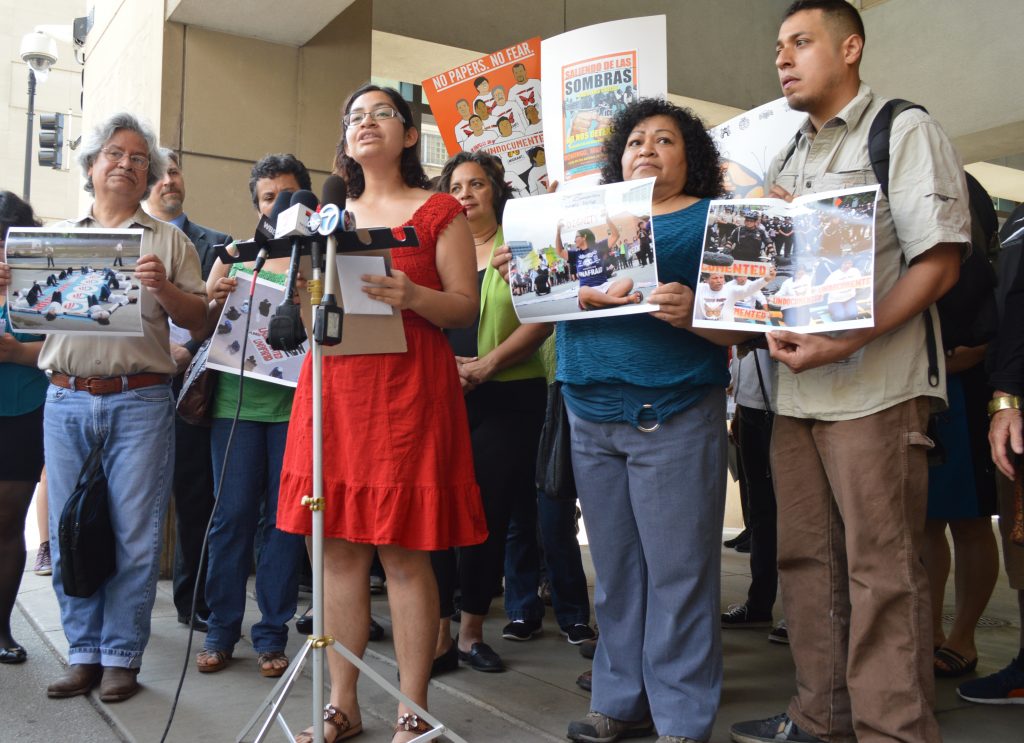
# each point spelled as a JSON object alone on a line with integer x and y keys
{"x": 398, "y": 463}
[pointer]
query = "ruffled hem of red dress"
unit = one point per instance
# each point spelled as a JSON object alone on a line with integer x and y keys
{"x": 413, "y": 517}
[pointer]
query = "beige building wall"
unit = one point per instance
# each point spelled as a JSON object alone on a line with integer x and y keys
{"x": 960, "y": 60}
{"x": 54, "y": 193}
{"x": 227, "y": 101}
{"x": 124, "y": 62}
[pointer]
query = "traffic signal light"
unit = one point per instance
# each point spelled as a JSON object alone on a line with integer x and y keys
{"x": 51, "y": 140}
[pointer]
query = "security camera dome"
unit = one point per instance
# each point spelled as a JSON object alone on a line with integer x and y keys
{"x": 38, "y": 51}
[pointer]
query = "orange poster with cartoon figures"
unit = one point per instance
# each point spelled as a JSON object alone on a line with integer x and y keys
{"x": 493, "y": 104}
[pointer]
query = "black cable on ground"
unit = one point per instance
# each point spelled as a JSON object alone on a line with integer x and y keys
{"x": 209, "y": 524}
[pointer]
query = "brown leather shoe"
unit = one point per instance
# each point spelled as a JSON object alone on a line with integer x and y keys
{"x": 119, "y": 684}
{"x": 79, "y": 679}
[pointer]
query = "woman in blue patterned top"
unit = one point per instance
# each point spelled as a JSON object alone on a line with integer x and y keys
{"x": 646, "y": 401}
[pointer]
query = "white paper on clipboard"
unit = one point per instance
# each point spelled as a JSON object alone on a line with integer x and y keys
{"x": 355, "y": 300}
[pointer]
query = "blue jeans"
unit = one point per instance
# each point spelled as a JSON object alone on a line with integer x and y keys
{"x": 253, "y": 473}
{"x": 556, "y": 519}
{"x": 653, "y": 504}
{"x": 136, "y": 430}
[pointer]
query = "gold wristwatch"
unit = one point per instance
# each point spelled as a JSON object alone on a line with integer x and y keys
{"x": 1004, "y": 402}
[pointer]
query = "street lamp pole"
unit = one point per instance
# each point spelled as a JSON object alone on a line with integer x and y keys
{"x": 39, "y": 52}
{"x": 27, "y": 186}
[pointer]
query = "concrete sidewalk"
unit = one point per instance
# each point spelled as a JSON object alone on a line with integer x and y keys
{"x": 533, "y": 701}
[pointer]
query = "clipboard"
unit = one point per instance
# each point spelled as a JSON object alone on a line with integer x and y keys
{"x": 361, "y": 334}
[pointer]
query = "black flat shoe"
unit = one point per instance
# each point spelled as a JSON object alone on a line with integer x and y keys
{"x": 742, "y": 536}
{"x": 446, "y": 663}
{"x": 482, "y": 658}
{"x": 198, "y": 624}
{"x": 13, "y": 655}
{"x": 304, "y": 624}
{"x": 376, "y": 631}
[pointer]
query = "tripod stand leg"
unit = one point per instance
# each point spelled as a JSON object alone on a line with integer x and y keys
{"x": 276, "y": 699}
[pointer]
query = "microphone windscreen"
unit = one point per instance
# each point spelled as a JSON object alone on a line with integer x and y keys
{"x": 334, "y": 192}
{"x": 306, "y": 198}
{"x": 282, "y": 202}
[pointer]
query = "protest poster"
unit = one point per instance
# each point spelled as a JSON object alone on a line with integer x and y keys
{"x": 494, "y": 104}
{"x": 229, "y": 344}
{"x": 747, "y": 144}
{"x": 79, "y": 281}
{"x": 587, "y": 75}
{"x": 806, "y": 266}
{"x": 582, "y": 254}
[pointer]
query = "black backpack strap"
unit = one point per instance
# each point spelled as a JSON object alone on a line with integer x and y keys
{"x": 879, "y": 135}
{"x": 790, "y": 151}
{"x": 760, "y": 381}
{"x": 878, "y": 154}
{"x": 984, "y": 212}
{"x": 933, "y": 349}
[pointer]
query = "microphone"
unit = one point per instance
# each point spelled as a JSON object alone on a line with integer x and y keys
{"x": 282, "y": 202}
{"x": 286, "y": 332}
{"x": 334, "y": 191}
{"x": 295, "y": 223}
{"x": 296, "y": 219}
{"x": 329, "y": 316}
{"x": 332, "y": 215}
{"x": 333, "y": 200}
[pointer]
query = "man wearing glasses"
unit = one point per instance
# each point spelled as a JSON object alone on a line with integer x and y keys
{"x": 114, "y": 394}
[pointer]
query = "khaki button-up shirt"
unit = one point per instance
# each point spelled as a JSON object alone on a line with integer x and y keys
{"x": 111, "y": 356}
{"x": 927, "y": 205}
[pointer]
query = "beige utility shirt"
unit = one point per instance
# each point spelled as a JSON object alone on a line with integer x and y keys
{"x": 112, "y": 356}
{"x": 927, "y": 205}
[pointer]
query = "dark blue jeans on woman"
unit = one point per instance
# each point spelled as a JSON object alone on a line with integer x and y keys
{"x": 253, "y": 473}
{"x": 557, "y": 522}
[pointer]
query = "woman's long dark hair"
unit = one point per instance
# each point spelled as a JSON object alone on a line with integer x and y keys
{"x": 703, "y": 169}
{"x": 14, "y": 212}
{"x": 492, "y": 168}
{"x": 352, "y": 172}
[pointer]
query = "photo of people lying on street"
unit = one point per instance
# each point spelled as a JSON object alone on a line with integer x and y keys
{"x": 74, "y": 281}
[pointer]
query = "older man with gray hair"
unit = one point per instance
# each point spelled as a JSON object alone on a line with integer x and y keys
{"x": 114, "y": 394}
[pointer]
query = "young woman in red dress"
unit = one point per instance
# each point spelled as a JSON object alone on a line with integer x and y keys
{"x": 398, "y": 474}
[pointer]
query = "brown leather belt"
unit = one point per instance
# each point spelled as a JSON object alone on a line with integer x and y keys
{"x": 108, "y": 385}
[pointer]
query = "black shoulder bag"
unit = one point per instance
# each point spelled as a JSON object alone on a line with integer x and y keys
{"x": 554, "y": 454}
{"x": 86, "y": 536}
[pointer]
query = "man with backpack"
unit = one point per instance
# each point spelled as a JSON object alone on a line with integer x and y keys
{"x": 849, "y": 441}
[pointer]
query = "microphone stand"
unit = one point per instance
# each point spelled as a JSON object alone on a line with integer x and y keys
{"x": 318, "y": 643}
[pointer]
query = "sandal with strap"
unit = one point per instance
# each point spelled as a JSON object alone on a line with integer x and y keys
{"x": 269, "y": 657}
{"x": 950, "y": 664}
{"x": 410, "y": 723}
{"x": 334, "y": 719}
{"x": 220, "y": 660}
